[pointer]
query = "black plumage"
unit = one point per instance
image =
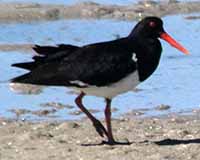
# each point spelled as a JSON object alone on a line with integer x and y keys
{"x": 98, "y": 64}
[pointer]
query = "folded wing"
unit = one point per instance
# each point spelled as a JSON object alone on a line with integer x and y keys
{"x": 77, "y": 66}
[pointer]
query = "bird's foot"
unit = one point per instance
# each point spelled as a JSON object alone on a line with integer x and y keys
{"x": 113, "y": 142}
{"x": 100, "y": 128}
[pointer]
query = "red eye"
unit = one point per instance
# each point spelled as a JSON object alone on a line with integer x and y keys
{"x": 152, "y": 24}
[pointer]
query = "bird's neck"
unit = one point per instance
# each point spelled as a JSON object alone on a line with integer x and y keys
{"x": 148, "y": 52}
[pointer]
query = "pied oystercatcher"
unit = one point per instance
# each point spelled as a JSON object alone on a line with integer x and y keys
{"x": 103, "y": 69}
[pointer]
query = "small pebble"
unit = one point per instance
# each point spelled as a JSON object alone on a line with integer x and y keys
{"x": 76, "y": 113}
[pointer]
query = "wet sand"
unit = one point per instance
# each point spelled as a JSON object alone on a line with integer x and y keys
{"x": 171, "y": 137}
{"x": 33, "y": 11}
{"x": 16, "y": 47}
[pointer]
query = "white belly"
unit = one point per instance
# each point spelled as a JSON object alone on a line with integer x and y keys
{"x": 124, "y": 85}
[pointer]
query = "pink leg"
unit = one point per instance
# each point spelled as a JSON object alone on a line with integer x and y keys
{"x": 111, "y": 140}
{"x": 97, "y": 124}
{"x": 108, "y": 121}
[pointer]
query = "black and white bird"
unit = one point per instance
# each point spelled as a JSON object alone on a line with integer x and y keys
{"x": 103, "y": 69}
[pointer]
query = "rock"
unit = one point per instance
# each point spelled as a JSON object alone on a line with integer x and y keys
{"x": 25, "y": 88}
{"x": 76, "y": 113}
{"x": 163, "y": 107}
{"x": 53, "y": 14}
{"x": 44, "y": 112}
{"x": 56, "y": 105}
{"x": 68, "y": 125}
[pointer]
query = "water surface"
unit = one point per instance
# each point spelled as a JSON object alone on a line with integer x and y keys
{"x": 174, "y": 83}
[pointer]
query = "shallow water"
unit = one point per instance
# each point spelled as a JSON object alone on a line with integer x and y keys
{"x": 174, "y": 83}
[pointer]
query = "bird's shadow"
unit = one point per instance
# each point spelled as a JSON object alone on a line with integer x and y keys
{"x": 165, "y": 142}
{"x": 105, "y": 143}
{"x": 172, "y": 142}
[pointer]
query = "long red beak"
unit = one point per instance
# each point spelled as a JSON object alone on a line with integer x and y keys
{"x": 171, "y": 41}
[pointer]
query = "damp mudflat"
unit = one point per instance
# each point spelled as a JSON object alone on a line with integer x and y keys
{"x": 173, "y": 88}
{"x": 116, "y": 2}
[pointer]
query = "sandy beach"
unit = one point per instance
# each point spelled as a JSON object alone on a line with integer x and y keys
{"x": 171, "y": 137}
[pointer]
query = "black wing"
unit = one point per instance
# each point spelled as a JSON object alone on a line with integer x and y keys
{"x": 47, "y": 54}
{"x": 99, "y": 64}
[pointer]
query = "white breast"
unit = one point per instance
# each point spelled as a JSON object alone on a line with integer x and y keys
{"x": 124, "y": 85}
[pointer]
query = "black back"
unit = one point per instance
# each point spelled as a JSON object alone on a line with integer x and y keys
{"x": 97, "y": 64}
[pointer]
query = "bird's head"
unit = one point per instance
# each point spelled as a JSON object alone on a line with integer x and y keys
{"x": 152, "y": 27}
